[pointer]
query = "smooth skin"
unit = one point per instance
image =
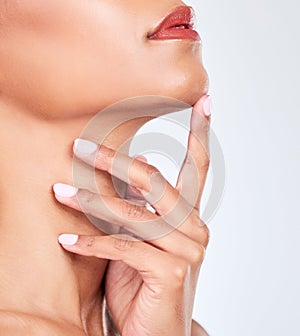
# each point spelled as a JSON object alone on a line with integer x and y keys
{"x": 64, "y": 59}
{"x": 150, "y": 285}
{"x": 61, "y": 62}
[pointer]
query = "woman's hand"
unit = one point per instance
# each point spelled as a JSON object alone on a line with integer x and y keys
{"x": 150, "y": 284}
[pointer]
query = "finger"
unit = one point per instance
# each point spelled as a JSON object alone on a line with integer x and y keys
{"x": 137, "y": 220}
{"x": 192, "y": 176}
{"x": 165, "y": 199}
{"x": 150, "y": 262}
{"x": 128, "y": 169}
{"x": 155, "y": 189}
{"x": 134, "y": 217}
{"x": 133, "y": 194}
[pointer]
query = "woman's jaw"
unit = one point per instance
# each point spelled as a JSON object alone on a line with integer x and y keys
{"x": 55, "y": 74}
{"x": 58, "y": 68}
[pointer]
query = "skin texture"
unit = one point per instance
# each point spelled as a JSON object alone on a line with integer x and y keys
{"x": 150, "y": 285}
{"x": 54, "y": 76}
{"x": 59, "y": 45}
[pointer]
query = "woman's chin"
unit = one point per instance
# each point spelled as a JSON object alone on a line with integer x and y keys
{"x": 195, "y": 91}
{"x": 188, "y": 87}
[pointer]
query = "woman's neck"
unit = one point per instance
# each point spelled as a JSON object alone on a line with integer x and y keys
{"x": 37, "y": 275}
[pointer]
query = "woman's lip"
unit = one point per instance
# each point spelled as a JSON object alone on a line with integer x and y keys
{"x": 178, "y": 24}
{"x": 176, "y": 34}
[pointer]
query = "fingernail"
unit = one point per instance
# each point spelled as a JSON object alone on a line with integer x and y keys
{"x": 64, "y": 190}
{"x": 84, "y": 147}
{"x": 207, "y": 106}
{"x": 68, "y": 239}
{"x": 141, "y": 158}
{"x": 204, "y": 106}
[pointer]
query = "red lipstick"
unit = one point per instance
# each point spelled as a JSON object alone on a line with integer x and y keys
{"x": 179, "y": 24}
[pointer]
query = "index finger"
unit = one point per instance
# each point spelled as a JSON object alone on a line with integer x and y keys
{"x": 192, "y": 176}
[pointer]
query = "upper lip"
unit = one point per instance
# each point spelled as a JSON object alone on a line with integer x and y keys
{"x": 180, "y": 16}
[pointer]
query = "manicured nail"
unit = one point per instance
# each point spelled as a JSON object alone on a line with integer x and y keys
{"x": 64, "y": 190}
{"x": 84, "y": 147}
{"x": 204, "y": 106}
{"x": 141, "y": 158}
{"x": 207, "y": 106}
{"x": 68, "y": 239}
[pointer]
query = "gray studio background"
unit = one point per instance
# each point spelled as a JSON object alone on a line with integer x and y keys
{"x": 250, "y": 280}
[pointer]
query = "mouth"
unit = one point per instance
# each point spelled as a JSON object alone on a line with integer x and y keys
{"x": 178, "y": 25}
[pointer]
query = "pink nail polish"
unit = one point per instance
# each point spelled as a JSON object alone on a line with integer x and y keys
{"x": 68, "y": 239}
{"x": 84, "y": 147}
{"x": 64, "y": 190}
{"x": 141, "y": 158}
{"x": 207, "y": 106}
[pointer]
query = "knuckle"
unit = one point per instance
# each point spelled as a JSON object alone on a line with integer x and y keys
{"x": 150, "y": 170}
{"x": 205, "y": 127}
{"x": 152, "y": 173}
{"x": 196, "y": 220}
{"x": 179, "y": 273}
{"x": 189, "y": 159}
{"x": 123, "y": 244}
{"x": 106, "y": 152}
{"x": 88, "y": 201}
{"x": 104, "y": 157}
{"x": 201, "y": 230}
{"x": 90, "y": 242}
{"x": 87, "y": 197}
{"x": 205, "y": 235}
{"x": 197, "y": 254}
{"x": 204, "y": 165}
{"x": 132, "y": 211}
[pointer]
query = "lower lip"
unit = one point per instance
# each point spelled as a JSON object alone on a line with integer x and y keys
{"x": 176, "y": 34}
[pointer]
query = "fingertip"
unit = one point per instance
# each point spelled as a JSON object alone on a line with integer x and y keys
{"x": 82, "y": 147}
{"x": 68, "y": 239}
{"x": 64, "y": 190}
{"x": 207, "y": 106}
{"x": 141, "y": 158}
{"x": 203, "y": 106}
